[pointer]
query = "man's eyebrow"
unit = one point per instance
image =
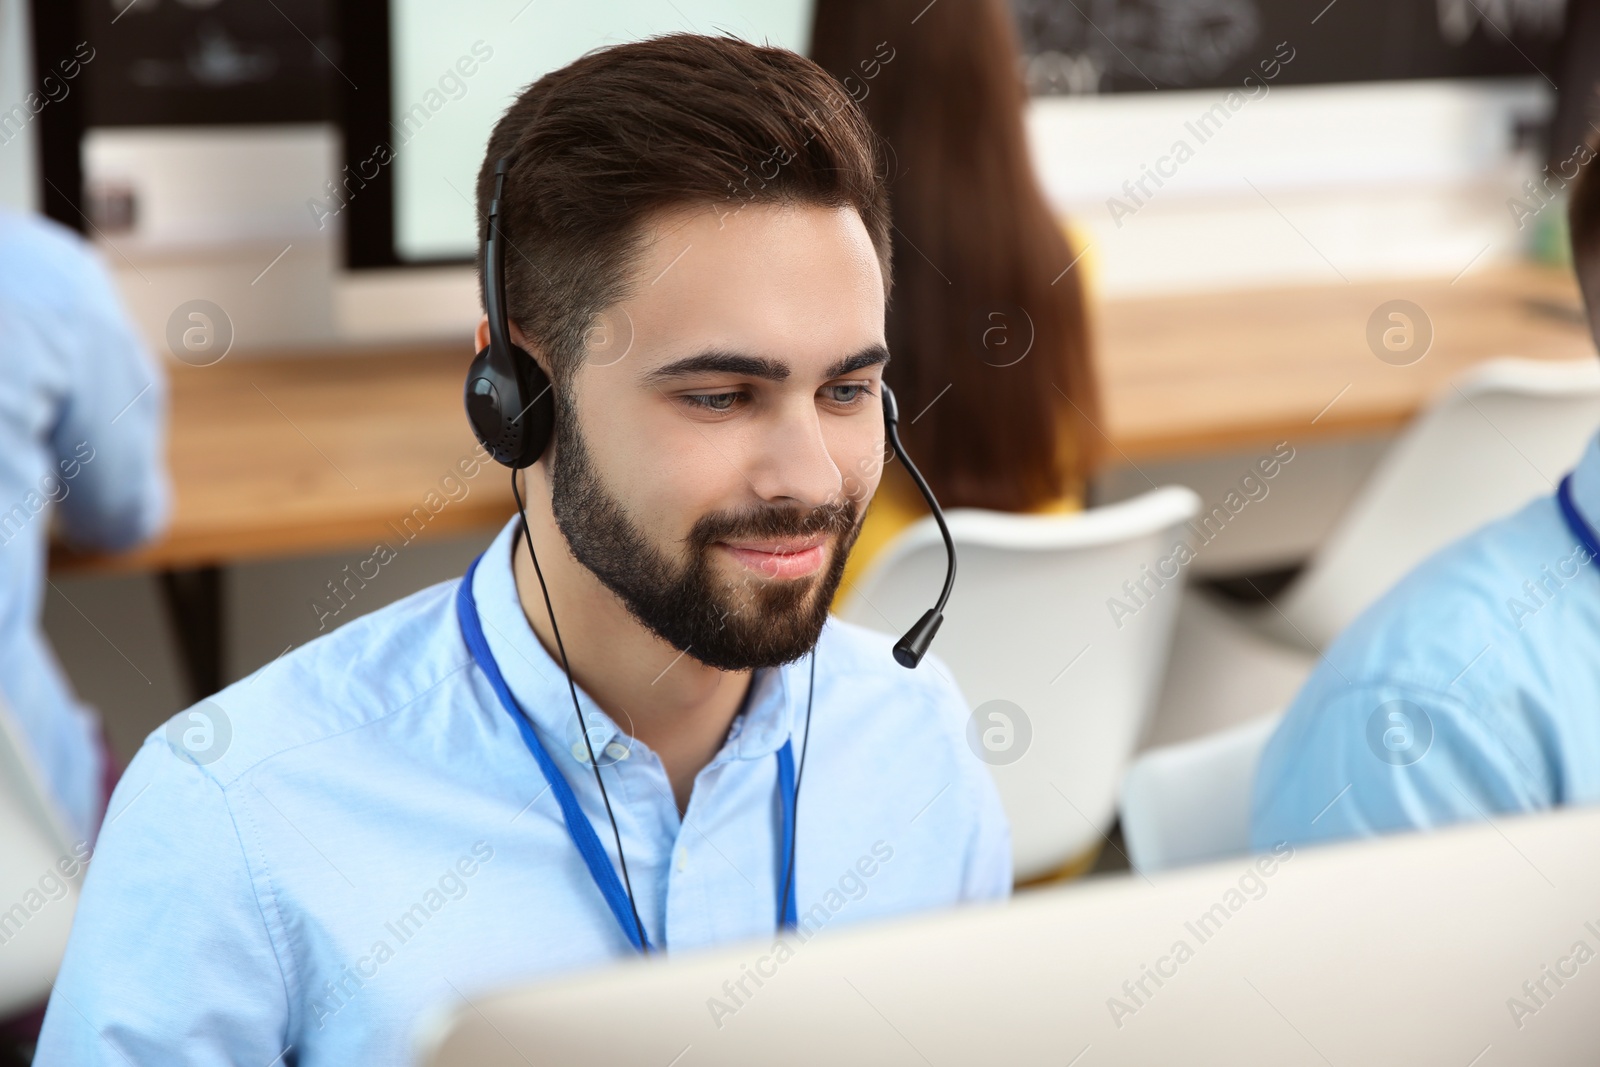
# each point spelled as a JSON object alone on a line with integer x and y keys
{"x": 872, "y": 356}
{"x": 720, "y": 362}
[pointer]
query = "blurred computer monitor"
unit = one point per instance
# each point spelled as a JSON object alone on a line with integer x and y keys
{"x": 427, "y": 81}
{"x": 1473, "y": 945}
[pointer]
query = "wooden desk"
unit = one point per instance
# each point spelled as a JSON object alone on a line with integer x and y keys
{"x": 328, "y": 450}
{"x": 288, "y": 455}
{"x": 332, "y": 451}
{"x": 1211, "y": 373}
{"x": 297, "y": 454}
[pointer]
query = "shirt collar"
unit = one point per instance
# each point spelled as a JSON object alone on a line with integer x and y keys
{"x": 1586, "y": 484}
{"x": 539, "y": 685}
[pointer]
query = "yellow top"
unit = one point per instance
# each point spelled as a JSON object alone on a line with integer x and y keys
{"x": 897, "y": 505}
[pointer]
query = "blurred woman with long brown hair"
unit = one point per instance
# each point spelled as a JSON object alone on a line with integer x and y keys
{"x": 986, "y": 323}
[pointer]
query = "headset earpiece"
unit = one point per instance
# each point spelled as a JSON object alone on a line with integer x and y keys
{"x": 510, "y": 404}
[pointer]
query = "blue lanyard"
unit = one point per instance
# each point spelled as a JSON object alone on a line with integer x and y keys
{"x": 579, "y": 828}
{"x": 1575, "y": 520}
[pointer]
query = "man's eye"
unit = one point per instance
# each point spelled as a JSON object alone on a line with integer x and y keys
{"x": 713, "y": 401}
{"x": 844, "y": 394}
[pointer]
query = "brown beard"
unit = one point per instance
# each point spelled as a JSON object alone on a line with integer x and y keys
{"x": 730, "y": 624}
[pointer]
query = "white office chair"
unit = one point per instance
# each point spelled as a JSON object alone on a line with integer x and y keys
{"x": 35, "y": 910}
{"x": 1502, "y": 435}
{"x": 1490, "y": 442}
{"x": 1029, "y": 624}
{"x": 1190, "y": 803}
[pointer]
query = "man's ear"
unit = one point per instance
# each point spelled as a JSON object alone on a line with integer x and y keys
{"x": 480, "y": 338}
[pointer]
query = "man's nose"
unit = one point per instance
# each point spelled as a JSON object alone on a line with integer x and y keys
{"x": 793, "y": 462}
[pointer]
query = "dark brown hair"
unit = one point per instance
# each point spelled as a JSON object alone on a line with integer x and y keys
{"x": 630, "y": 130}
{"x": 979, "y": 259}
{"x": 1583, "y": 223}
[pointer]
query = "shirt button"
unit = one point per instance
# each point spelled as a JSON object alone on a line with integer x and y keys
{"x": 618, "y": 751}
{"x": 580, "y": 752}
{"x": 683, "y": 859}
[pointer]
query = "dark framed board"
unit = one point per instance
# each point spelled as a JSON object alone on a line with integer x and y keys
{"x": 1109, "y": 46}
{"x": 208, "y": 62}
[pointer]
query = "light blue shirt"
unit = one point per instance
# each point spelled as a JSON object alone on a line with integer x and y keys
{"x": 375, "y": 840}
{"x": 82, "y": 416}
{"x": 1471, "y": 689}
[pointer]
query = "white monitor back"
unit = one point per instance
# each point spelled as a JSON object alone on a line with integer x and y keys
{"x": 1407, "y": 950}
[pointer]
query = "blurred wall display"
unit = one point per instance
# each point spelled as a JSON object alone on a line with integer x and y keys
{"x": 208, "y": 62}
{"x": 1108, "y": 46}
{"x": 166, "y": 66}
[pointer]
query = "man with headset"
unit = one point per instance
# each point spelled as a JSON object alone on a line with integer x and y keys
{"x": 1472, "y": 688}
{"x": 594, "y": 743}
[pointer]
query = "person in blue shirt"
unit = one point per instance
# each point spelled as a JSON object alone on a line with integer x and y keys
{"x": 406, "y": 814}
{"x": 82, "y": 427}
{"x": 1472, "y": 688}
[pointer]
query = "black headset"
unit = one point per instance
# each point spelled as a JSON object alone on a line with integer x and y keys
{"x": 509, "y": 400}
{"x": 512, "y": 409}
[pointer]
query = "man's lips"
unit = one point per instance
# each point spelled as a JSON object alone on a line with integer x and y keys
{"x": 788, "y": 557}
